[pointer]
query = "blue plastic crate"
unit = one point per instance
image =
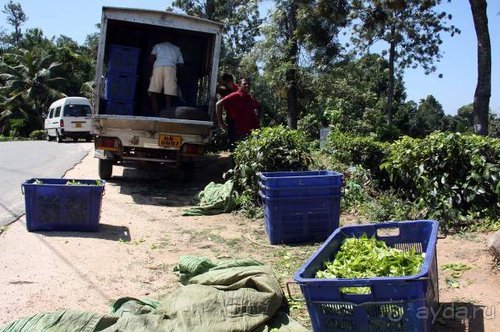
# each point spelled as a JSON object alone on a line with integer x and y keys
{"x": 393, "y": 303}
{"x": 123, "y": 59}
{"x": 52, "y": 205}
{"x": 300, "y": 219}
{"x": 120, "y": 86}
{"x": 118, "y": 107}
{"x": 319, "y": 190}
{"x": 300, "y": 179}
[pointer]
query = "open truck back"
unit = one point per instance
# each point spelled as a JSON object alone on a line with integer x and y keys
{"x": 125, "y": 128}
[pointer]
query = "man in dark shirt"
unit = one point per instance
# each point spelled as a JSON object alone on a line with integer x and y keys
{"x": 226, "y": 85}
{"x": 243, "y": 113}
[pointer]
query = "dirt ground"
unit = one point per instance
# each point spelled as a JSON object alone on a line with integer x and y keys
{"x": 142, "y": 235}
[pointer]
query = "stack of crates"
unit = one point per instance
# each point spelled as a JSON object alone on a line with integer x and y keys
{"x": 300, "y": 206}
{"x": 121, "y": 79}
{"x": 406, "y": 304}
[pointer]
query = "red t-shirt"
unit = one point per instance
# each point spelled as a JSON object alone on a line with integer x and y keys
{"x": 241, "y": 108}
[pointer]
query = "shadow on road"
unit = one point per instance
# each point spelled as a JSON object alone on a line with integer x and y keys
{"x": 166, "y": 186}
{"x": 105, "y": 232}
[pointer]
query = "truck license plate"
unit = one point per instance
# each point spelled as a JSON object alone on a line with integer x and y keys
{"x": 78, "y": 125}
{"x": 170, "y": 141}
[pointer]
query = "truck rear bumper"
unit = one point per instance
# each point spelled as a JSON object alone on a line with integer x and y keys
{"x": 131, "y": 155}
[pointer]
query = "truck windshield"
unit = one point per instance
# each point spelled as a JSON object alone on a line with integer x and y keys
{"x": 77, "y": 110}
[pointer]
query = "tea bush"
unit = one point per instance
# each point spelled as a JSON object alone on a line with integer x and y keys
{"x": 268, "y": 150}
{"x": 362, "y": 151}
{"x": 454, "y": 177}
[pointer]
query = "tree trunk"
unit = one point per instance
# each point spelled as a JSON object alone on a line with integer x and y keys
{"x": 291, "y": 73}
{"x": 483, "y": 87}
{"x": 210, "y": 9}
{"x": 390, "y": 87}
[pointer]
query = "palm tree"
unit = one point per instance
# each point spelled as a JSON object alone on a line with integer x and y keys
{"x": 31, "y": 82}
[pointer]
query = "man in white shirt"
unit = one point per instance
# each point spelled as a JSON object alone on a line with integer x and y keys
{"x": 165, "y": 57}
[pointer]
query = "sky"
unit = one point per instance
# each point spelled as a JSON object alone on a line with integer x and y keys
{"x": 78, "y": 18}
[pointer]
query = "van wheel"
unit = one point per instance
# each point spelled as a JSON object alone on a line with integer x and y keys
{"x": 105, "y": 169}
{"x": 48, "y": 137}
{"x": 59, "y": 138}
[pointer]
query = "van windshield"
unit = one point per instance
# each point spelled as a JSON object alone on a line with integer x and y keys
{"x": 77, "y": 110}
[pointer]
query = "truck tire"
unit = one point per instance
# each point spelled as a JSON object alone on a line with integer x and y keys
{"x": 191, "y": 113}
{"x": 187, "y": 171}
{"x": 48, "y": 137}
{"x": 105, "y": 169}
{"x": 59, "y": 138}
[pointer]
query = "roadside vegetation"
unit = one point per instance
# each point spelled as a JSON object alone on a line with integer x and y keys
{"x": 449, "y": 177}
{"x": 401, "y": 159}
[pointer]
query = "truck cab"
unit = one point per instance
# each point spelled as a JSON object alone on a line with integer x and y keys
{"x": 126, "y": 129}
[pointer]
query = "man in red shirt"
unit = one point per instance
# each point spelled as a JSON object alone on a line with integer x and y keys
{"x": 243, "y": 113}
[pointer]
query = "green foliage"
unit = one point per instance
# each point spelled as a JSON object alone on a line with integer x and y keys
{"x": 16, "y": 18}
{"x": 411, "y": 31}
{"x": 413, "y": 26}
{"x": 352, "y": 94}
{"x": 454, "y": 177}
{"x": 366, "y": 257}
{"x": 429, "y": 116}
{"x": 16, "y": 127}
{"x": 357, "y": 150}
{"x": 37, "y": 135}
{"x": 218, "y": 142}
{"x": 310, "y": 125}
{"x": 268, "y": 150}
{"x": 241, "y": 22}
{"x": 386, "y": 205}
{"x": 30, "y": 79}
{"x": 357, "y": 187}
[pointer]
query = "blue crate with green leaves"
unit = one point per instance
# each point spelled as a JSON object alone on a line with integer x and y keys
{"x": 405, "y": 303}
{"x": 63, "y": 204}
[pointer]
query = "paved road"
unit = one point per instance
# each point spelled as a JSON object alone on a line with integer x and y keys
{"x": 20, "y": 161}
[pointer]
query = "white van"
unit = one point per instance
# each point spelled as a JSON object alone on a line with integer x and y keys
{"x": 69, "y": 117}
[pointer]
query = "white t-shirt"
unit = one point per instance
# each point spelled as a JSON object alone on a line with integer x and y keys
{"x": 167, "y": 54}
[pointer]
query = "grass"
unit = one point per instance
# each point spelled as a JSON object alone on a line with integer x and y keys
{"x": 455, "y": 271}
{"x": 163, "y": 243}
{"x": 135, "y": 242}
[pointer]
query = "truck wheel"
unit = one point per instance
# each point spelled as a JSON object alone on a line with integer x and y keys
{"x": 105, "y": 169}
{"x": 48, "y": 137}
{"x": 59, "y": 138}
{"x": 191, "y": 113}
{"x": 187, "y": 171}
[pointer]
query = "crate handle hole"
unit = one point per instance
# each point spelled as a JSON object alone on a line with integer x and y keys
{"x": 388, "y": 232}
{"x": 356, "y": 290}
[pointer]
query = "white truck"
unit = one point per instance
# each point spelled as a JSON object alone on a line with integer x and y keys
{"x": 125, "y": 129}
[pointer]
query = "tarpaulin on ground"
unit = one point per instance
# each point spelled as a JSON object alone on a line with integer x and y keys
{"x": 215, "y": 198}
{"x": 231, "y": 295}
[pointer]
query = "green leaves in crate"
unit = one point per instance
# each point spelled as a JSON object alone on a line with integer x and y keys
{"x": 366, "y": 257}
{"x": 78, "y": 183}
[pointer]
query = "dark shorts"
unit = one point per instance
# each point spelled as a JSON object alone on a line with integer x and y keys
{"x": 232, "y": 136}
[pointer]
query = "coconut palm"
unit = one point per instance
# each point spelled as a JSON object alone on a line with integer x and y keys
{"x": 31, "y": 81}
